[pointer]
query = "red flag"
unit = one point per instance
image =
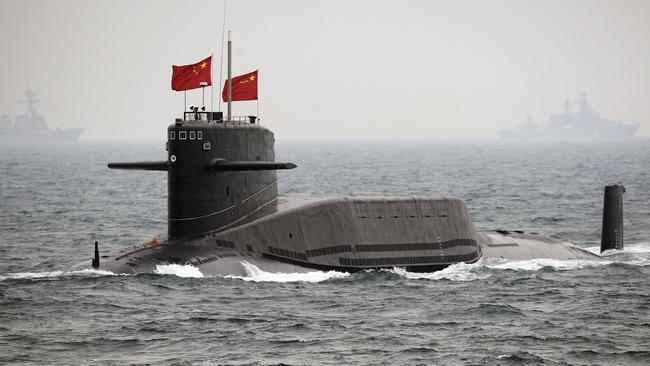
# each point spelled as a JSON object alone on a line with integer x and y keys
{"x": 188, "y": 77}
{"x": 244, "y": 87}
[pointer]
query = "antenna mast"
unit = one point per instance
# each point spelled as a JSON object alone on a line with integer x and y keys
{"x": 31, "y": 102}
{"x": 229, "y": 77}
{"x": 223, "y": 36}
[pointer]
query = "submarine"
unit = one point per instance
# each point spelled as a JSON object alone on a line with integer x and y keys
{"x": 225, "y": 215}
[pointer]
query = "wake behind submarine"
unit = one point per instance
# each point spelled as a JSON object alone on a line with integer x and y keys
{"x": 224, "y": 212}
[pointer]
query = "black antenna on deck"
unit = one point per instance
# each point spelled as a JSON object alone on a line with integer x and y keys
{"x": 95, "y": 263}
{"x": 612, "y": 232}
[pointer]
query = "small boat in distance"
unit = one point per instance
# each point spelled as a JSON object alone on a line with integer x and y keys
{"x": 31, "y": 127}
{"x": 584, "y": 123}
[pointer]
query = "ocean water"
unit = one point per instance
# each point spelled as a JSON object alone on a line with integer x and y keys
{"x": 55, "y": 201}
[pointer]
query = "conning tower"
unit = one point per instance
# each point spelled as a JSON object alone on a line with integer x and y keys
{"x": 218, "y": 172}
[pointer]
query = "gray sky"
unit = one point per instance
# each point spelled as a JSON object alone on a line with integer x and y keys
{"x": 331, "y": 69}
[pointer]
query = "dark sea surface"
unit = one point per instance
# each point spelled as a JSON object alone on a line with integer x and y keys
{"x": 55, "y": 201}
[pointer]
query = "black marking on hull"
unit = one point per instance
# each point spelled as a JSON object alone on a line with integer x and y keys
{"x": 424, "y": 268}
{"x": 390, "y": 247}
{"x": 329, "y": 250}
{"x": 415, "y": 246}
{"x": 405, "y": 261}
{"x": 288, "y": 253}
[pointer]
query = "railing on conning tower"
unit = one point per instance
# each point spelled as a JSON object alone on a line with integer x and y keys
{"x": 218, "y": 117}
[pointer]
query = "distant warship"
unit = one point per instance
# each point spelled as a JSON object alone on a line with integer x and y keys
{"x": 31, "y": 127}
{"x": 583, "y": 123}
{"x": 224, "y": 216}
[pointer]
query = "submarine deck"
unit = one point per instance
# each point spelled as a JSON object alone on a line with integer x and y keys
{"x": 293, "y": 234}
{"x": 519, "y": 245}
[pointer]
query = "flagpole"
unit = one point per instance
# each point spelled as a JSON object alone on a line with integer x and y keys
{"x": 223, "y": 36}
{"x": 211, "y": 88}
{"x": 258, "y": 100}
{"x": 229, "y": 77}
{"x": 184, "y": 103}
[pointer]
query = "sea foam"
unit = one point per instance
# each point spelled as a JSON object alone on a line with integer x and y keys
{"x": 55, "y": 274}
{"x": 180, "y": 270}
{"x": 456, "y": 272}
{"x": 253, "y": 273}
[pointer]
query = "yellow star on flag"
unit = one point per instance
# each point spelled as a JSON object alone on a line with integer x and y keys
{"x": 204, "y": 64}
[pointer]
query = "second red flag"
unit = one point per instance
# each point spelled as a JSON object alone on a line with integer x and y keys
{"x": 244, "y": 87}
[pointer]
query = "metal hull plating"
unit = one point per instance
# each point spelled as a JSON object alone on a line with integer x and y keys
{"x": 344, "y": 234}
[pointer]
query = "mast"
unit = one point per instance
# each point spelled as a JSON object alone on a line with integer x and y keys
{"x": 229, "y": 77}
{"x": 31, "y": 102}
{"x": 211, "y": 89}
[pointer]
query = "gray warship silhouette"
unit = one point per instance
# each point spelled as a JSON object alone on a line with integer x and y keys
{"x": 225, "y": 215}
{"x": 585, "y": 122}
{"x": 31, "y": 127}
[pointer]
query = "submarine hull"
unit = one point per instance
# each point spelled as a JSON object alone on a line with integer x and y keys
{"x": 225, "y": 216}
{"x": 419, "y": 234}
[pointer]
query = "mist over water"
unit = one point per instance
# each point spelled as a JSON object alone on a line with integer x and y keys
{"x": 57, "y": 200}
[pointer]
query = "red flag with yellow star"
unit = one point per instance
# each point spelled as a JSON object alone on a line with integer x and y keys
{"x": 244, "y": 87}
{"x": 188, "y": 77}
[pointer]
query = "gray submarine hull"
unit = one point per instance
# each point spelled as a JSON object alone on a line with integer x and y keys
{"x": 225, "y": 216}
{"x": 352, "y": 234}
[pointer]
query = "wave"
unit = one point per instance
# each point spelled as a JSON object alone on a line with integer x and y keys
{"x": 91, "y": 273}
{"x": 486, "y": 268}
{"x": 30, "y": 275}
{"x": 254, "y": 274}
{"x": 180, "y": 270}
{"x": 636, "y": 248}
{"x": 637, "y": 254}
{"x": 461, "y": 272}
{"x": 539, "y": 263}
{"x": 55, "y": 274}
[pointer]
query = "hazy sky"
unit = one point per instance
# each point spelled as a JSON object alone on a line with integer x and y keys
{"x": 331, "y": 69}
